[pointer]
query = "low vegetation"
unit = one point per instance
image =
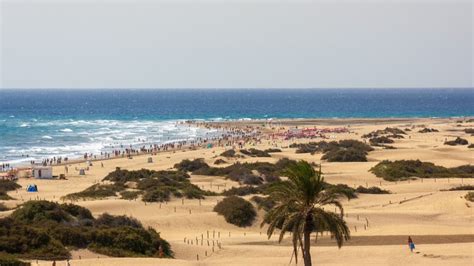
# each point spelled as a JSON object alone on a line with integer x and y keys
{"x": 405, "y": 169}
{"x": 47, "y": 230}
{"x": 236, "y": 211}
{"x": 393, "y": 131}
{"x": 457, "y": 141}
{"x": 255, "y": 153}
{"x": 469, "y": 131}
{"x": 229, "y": 154}
{"x": 5, "y": 186}
{"x": 471, "y": 146}
{"x": 342, "y": 151}
{"x": 469, "y": 196}
{"x": 428, "y": 130}
{"x": 272, "y": 150}
{"x": 219, "y": 161}
{"x": 3, "y": 208}
{"x": 242, "y": 191}
{"x": 265, "y": 203}
{"x": 371, "y": 190}
{"x": 248, "y": 173}
{"x": 376, "y": 141}
{"x": 10, "y": 260}
{"x": 155, "y": 186}
{"x": 462, "y": 187}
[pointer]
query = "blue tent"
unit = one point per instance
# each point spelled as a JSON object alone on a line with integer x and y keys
{"x": 32, "y": 188}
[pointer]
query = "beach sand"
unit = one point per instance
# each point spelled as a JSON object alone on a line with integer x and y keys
{"x": 440, "y": 222}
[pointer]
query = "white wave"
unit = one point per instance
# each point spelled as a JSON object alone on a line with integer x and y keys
{"x": 66, "y": 130}
{"x": 46, "y": 137}
{"x": 24, "y": 125}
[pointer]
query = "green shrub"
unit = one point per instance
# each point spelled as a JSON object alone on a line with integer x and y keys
{"x": 457, "y": 141}
{"x": 470, "y": 196}
{"x": 10, "y": 260}
{"x": 191, "y": 166}
{"x": 241, "y": 191}
{"x": 272, "y": 150}
{"x": 428, "y": 130}
{"x": 349, "y": 192}
{"x": 462, "y": 187}
{"x": 156, "y": 195}
{"x": 42, "y": 230}
{"x": 380, "y": 140}
{"x": 469, "y": 130}
{"x": 219, "y": 161}
{"x": 404, "y": 169}
{"x": 255, "y": 153}
{"x": 236, "y": 211}
{"x": 345, "y": 155}
{"x": 387, "y": 130}
{"x": 371, "y": 190}
{"x": 3, "y": 207}
{"x": 96, "y": 191}
{"x": 265, "y": 203}
{"x": 5, "y": 196}
{"x": 228, "y": 153}
{"x": 471, "y": 146}
{"x": 130, "y": 195}
{"x": 8, "y": 185}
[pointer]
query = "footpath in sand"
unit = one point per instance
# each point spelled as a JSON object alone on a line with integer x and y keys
{"x": 440, "y": 222}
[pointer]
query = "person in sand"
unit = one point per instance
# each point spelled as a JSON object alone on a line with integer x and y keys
{"x": 411, "y": 245}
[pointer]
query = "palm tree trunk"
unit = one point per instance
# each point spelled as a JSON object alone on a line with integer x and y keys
{"x": 307, "y": 246}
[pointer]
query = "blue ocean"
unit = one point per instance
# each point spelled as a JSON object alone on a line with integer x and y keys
{"x": 46, "y": 123}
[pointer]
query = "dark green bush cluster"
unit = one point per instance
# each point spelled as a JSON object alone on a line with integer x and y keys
{"x": 130, "y": 195}
{"x": 380, "y": 140}
{"x": 219, "y": 161}
{"x": 156, "y": 186}
{"x": 244, "y": 172}
{"x": 272, "y": 150}
{"x": 190, "y": 166}
{"x": 388, "y": 130}
{"x": 228, "y": 153}
{"x": 457, "y": 141}
{"x": 349, "y": 192}
{"x": 5, "y": 186}
{"x": 43, "y": 230}
{"x": 371, "y": 190}
{"x": 96, "y": 191}
{"x": 236, "y": 211}
{"x": 242, "y": 191}
{"x": 405, "y": 169}
{"x": 342, "y": 151}
{"x": 469, "y": 196}
{"x": 265, "y": 203}
{"x": 469, "y": 131}
{"x": 462, "y": 187}
{"x": 10, "y": 260}
{"x": 255, "y": 153}
{"x": 3, "y": 207}
{"x": 428, "y": 130}
{"x": 310, "y": 147}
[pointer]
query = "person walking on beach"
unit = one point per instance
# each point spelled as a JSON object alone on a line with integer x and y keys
{"x": 411, "y": 245}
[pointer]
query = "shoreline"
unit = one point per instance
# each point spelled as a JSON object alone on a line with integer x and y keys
{"x": 257, "y": 123}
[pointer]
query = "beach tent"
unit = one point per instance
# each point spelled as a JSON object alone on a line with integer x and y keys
{"x": 42, "y": 172}
{"x": 32, "y": 188}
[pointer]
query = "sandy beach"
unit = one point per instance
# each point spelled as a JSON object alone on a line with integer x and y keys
{"x": 440, "y": 222}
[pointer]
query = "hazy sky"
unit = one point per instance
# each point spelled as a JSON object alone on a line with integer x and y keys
{"x": 236, "y": 44}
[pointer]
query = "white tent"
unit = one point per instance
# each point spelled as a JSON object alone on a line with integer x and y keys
{"x": 42, "y": 172}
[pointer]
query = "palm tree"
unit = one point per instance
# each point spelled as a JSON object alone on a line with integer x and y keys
{"x": 300, "y": 209}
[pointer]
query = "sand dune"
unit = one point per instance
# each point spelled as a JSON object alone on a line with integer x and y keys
{"x": 440, "y": 222}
